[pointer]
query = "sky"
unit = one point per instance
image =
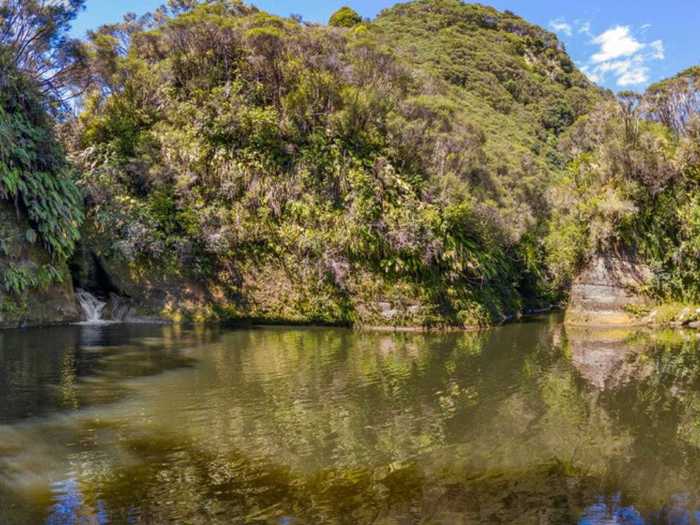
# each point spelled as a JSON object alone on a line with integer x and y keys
{"x": 620, "y": 44}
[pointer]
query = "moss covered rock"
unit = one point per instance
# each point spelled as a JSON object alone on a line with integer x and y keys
{"x": 34, "y": 291}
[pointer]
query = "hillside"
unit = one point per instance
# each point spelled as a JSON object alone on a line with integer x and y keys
{"x": 390, "y": 172}
{"x": 40, "y": 208}
{"x": 445, "y": 164}
{"x": 514, "y": 79}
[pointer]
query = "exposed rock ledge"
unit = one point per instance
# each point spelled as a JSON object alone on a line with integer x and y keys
{"x": 605, "y": 290}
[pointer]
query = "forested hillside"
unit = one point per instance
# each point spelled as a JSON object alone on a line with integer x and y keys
{"x": 443, "y": 164}
{"x": 343, "y": 173}
{"x": 631, "y": 187}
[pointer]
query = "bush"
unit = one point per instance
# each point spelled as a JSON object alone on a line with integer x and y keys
{"x": 33, "y": 170}
{"x": 345, "y": 17}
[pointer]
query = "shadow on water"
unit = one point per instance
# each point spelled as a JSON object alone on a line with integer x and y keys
{"x": 45, "y": 370}
{"x": 527, "y": 423}
{"x": 234, "y": 489}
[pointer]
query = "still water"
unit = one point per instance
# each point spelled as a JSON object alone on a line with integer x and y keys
{"x": 528, "y": 423}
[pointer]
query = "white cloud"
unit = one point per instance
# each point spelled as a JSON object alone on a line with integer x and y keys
{"x": 560, "y": 25}
{"x": 658, "y": 52}
{"x": 621, "y": 55}
{"x": 583, "y": 27}
{"x": 629, "y": 72}
{"x": 614, "y": 43}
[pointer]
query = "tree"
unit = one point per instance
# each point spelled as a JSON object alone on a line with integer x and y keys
{"x": 33, "y": 35}
{"x": 629, "y": 105}
{"x": 345, "y": 17}
{"x": 674, "y": 102}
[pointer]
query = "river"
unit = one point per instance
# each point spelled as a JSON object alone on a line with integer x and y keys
{"x": 526, "y": 423}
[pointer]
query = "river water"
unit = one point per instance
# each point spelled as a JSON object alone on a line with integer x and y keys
{"x": 527, "y": 423}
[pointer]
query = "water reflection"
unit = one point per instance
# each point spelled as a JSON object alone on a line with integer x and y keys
{"x": 608, "y": 359}
{"x": 602, "y": 512}
{"x": 527, "y": 423}
{"x": 71, "y": 508}
{"x": 43, "y": 371}
{"x": 679, "y": 511}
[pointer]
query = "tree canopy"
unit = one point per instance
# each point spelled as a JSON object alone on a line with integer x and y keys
{"x": 446, "y": 157}
{"x": 33, "y": 35}
{"x": 345, "y": 17}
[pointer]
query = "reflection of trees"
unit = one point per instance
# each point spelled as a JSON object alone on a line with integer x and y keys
{"x": 44, "y": 370}
{"x": 333, "y": 426}
{"x": 317, "y": 397}
{"x": 647, "y": 384}
{"x": 178, "y": 483}
{"x": 30, "y": 366}
{"x": 14, "y": 511}
{"x": 339, "y": 427}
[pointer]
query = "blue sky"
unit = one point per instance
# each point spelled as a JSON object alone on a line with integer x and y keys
{"x": 621, "y": 44}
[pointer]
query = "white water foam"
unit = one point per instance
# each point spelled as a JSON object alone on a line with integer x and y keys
{"x": 92, "y": 308}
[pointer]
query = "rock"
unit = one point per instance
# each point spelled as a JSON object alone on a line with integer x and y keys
{"x": 683, "y": 316}
{"x": 119, "y": 308}
{"x": 55, "y": 304}
{"x": 604, "y": 291}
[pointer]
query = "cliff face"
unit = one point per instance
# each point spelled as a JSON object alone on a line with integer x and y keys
{"x": 604, "y": 291}
{"x": 270, "y": 290}
{"x": 21, "y": 260}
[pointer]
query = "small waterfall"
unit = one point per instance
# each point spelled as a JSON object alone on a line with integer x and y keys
{"x": 92, "y": 307}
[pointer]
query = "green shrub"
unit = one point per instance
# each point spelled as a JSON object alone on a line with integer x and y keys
{"x": 33, "y": 170}
{"x": 345, "y": 17}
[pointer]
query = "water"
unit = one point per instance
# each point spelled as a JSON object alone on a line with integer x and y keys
{"x": 528, "y": 423}
{"x": 91, "y": 306}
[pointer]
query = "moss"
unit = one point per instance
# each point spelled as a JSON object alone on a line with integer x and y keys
{"x": 675, "y": 313}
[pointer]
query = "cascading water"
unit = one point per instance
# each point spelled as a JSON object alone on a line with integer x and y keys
{"x": 92, "y": 307}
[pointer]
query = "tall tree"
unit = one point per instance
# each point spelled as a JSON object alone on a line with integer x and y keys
{"x": 33, "y": 36}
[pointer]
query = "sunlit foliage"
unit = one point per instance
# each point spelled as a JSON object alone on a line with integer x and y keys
{"x": 631, "y": 187}
{"x": 218, "y": 135}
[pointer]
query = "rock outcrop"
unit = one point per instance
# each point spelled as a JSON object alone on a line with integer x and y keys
{"x": 604, "y": 292}
{"x": 36, "y": 305}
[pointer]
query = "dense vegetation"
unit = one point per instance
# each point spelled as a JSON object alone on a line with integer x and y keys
{"x": 445, "y": 163}
{"x": 34, "y": 174}
{"x": 631, "y": 187}
{"x": 221, "y": 139}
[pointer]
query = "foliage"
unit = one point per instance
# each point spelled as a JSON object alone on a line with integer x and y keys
{"x": 631, "y": 187}
{"x": 345, "y": 17}
{"x": 675, "y": 101}
{"x": 221, "y": 137}
{"x": 33, "y": 170}
{"x": 34, "y": 42}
